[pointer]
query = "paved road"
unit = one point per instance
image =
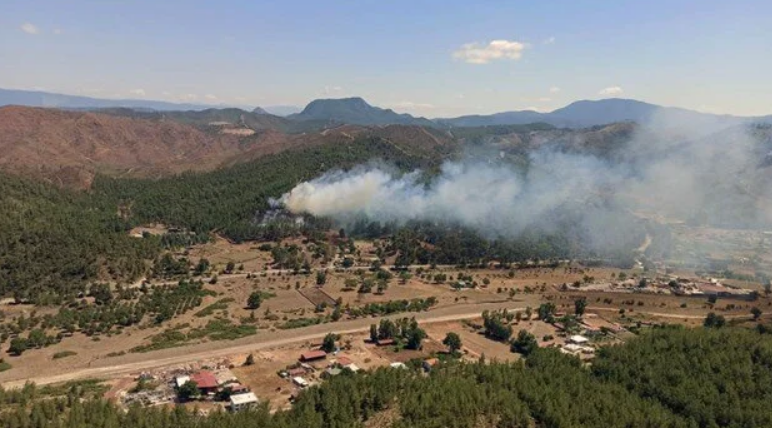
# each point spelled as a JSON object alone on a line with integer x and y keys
{"x": 135, "y": 363}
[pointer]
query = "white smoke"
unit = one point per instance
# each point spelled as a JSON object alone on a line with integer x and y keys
{"x": 668, "y": 169}
{"x": 493, "y": 199}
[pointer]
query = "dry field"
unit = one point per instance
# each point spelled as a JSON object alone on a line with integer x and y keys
{"x": 292, "y": 297}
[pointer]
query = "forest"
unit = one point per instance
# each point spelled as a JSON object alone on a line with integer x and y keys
{"x": 57, "y": 241}
{"x": 666, "y": 377}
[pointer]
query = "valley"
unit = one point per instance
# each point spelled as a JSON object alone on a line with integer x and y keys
{"x": 142, "y": 248}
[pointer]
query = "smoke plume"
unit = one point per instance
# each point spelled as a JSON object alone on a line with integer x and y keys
{"x": 668, "y": 170}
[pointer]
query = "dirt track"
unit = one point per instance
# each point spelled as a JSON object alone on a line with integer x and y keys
{"x": 135, "y": 363}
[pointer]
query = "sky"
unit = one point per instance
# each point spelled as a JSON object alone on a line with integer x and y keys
{"x": 428, "y": 58}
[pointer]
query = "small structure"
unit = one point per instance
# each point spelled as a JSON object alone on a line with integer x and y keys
{"x": 299, "y": 381}
{"x": 574, "y": 349}
{"x": 344, "y": 361}
{"x": 578, "y": 340}
{"x": 244, "y": 401}
{"x": 429, "y": 363}
{"x": 206, "y": 382}
{"x": 313, "y": 355}
{"x": 297, "y": 371}
{"x": 353, "y": 367}
{"x": 181, "y": 380}
{"x": 398, "y": 365}
{"x": 384, "y": 342}
{"x": 237, "y": 388}
{"x": 333, "y": 371}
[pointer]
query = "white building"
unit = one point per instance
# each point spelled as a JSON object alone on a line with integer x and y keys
{"x": 299, "y": 381}
{"x": 181, "y": 380}
{"x": 579, "y": 340}
{"x": 241, "y": 402}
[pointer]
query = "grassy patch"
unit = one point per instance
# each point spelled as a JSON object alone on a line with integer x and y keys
{"x": 219, "y": 305}
{"x": 265, "y": 295}
{"x": 163, "y": 340}
{"x": 86, "y": 387}
{"x": 216, "y": 329}
{"x": 300, "y": 322}
{"x": 222, "y": 329}
{"x": 4, "y": 365}
{"x": 64, "y": 354}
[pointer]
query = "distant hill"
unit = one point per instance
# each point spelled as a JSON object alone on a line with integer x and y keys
{"x": 326, "y": 113}
{"x": 217, "y": 117}
{"x": 48, "y": 99}
{"x": 588, "y": 113}
{"x": 281, "y": 110}
{"x": 69, "y": 147}
{"x": 356, "y": 111}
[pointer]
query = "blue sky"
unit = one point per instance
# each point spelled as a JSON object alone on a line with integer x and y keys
{"x": 432, "y": 58}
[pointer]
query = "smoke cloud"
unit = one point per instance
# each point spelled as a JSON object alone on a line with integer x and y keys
{"x": 668, "y": 170}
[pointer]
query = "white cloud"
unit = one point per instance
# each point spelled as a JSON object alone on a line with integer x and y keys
{"x": 210, "y": 97}
{"x": 58, "y": 31}
{"x": 476, "y": 53}
{"x": 554, "y": 90}
{"x": 611, "y": 90}
{"x": 29, "y": 28}
{"x": 137, "y": 92}
{"x": 548, "y": 40}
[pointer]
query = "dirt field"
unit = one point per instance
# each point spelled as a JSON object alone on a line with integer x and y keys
{"x": 284, "y": 301}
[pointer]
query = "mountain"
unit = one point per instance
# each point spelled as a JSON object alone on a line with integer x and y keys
{"x": 355, "y": 111}
{"x": 282, "y": 110}
{"x": 224, "y": 118}
{"x": 587, "y": 113}
{"x": 259, "y": 110}
{"x": 48, "y": 99}
{"x": 71, "y": 147}
{"x": 506, "y": 118}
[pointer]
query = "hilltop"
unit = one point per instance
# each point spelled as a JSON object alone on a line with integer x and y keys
{"x": 70, "y": 147}
{"x": 355, "y": 111}
{"x": 321, "y": 113}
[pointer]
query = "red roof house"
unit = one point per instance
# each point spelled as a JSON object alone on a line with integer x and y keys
{"x": 206, "y": 381}
{"x": 313, "y": 355}
{"x": 344, "y": 361}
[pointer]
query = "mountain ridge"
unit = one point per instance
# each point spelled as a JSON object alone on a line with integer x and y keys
{"x": 356, "y": 111}
{"x": 328, "y": 112}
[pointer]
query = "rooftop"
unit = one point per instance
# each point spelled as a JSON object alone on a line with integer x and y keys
{"x": 246, "y": 398}
{"x": 313, "y": 355}
{"x": 205, "y": 380}
{"x": 578, "y": 339}
{"x": 344, "y": 361}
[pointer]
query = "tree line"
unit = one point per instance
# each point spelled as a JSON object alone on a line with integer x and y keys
{"x": 666, "y": 377}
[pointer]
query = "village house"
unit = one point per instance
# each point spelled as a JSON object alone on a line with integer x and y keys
{"x": 239, "y": 402}
{"x": 313, "y": 355}
{"x": 578, "y": 340}
{"x": 205, "y": 381}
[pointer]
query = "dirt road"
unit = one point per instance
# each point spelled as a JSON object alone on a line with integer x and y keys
{"x": 135, "y": 363}
{"x": 671, "y": 314}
